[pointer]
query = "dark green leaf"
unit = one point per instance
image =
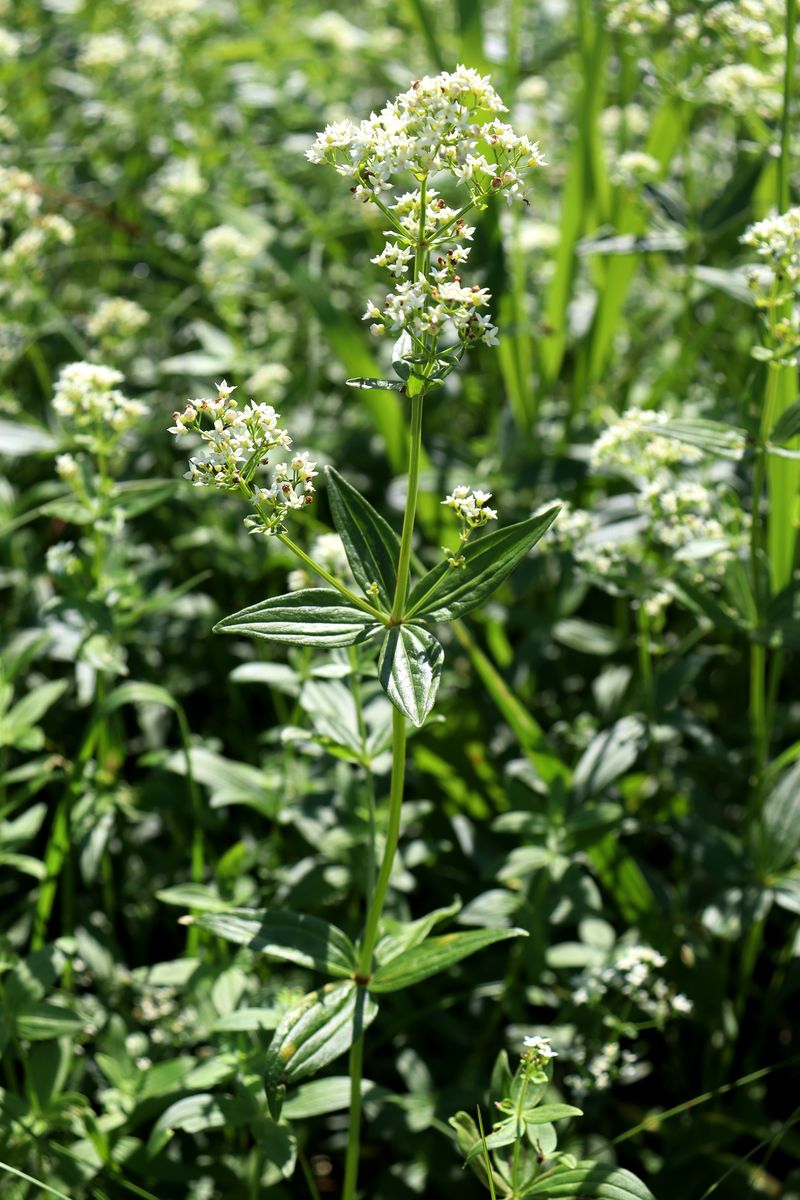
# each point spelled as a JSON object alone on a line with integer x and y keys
{"x": 43, "y": 1021}
{"x": 409, "y": 669}
{"x": 448, "y": 592}
{"x": 320, "y": 1028}
{"x": 194, "y": 1114}
{"x": 311, "y": 617}
{"x": 781, "y": 821}
{"x": 293, "y": 937}
{"x": 372, "y": 547}
{"x": 590, "y": 1181}
{"x": 435, "y": 955}
{"x": 787, "y": 426}
{"x": 411, "y": 933}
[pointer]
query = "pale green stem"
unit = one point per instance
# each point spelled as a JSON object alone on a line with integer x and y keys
{"x": 758, "y": 652}
{"x": 331, "y": 579}
{"x": 368, "y": 944}
{"x": 404, "y": 560}
{"x": 786, "y": 118}
{"x": 399, "y": 738}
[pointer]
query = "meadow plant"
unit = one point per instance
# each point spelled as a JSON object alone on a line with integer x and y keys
{"x": 441, "y": 127}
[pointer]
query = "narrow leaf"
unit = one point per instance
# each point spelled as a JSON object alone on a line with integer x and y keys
{"x": 293, "y": 937}
{"x": 315, "y": 1032}
{"x": 781, "y": 821}
{"x": 411, "y": 933}
{"x": 590, "y": 1181}
{"x": 435, "y": 955}
{"x": 377, "y": 385}
{"x": 371, "y": 545}
{"x": 448, "y": 592}
{"x": 409, "y": 669}
{"x": 787, "y": 426}
{"x": 607, "y": 757}
{"x": 311, "y": 617}
{"x": 715, "y": 437}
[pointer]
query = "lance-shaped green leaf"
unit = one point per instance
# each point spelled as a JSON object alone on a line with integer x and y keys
{"x": 409, "y": 668}
{"x": 590, "y": 1181}
{"x": 402, "y": 935}
{"x": 293, "y": 937}
{"x": 313, "y": 1033}
{"x": 311, "y": 617}
{"x": 448, "y": 592}
{"x": 713, "y": 437}
{"x": 787, "y": 426}
{"x": 376, "y": 385}
{"x": 371, "y": 545}
{"x": 435, "y": 955}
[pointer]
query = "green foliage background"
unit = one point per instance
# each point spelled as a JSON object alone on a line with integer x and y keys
{"x": 564, "y": 786}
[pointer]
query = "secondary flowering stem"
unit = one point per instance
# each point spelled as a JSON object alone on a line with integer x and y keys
{"x": 359, "y": 601}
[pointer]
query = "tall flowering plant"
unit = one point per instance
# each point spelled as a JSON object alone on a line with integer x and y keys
{"x": 444, "y": 128}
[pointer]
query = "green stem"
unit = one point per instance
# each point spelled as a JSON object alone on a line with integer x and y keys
{"x": 392, "y": 837}
{"x": 758, "y": 652}
{"x": 359, "y": 601}
{"x": 368, "y": 944}
{"x": 646, "y": 660}
{"x": 399, "y": 738}
{"x": 404, "y": 560}
{"x": 786, "y": 118}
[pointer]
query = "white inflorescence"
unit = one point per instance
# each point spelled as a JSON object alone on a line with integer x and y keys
{"x": 436, "y": 127}
{"x": 471, "y": 507}
{"x": 776, "y": 240}
{"x": 238, "y": 445}
{"x": 87, "y": 399}
{"x": 538, "y": 1050}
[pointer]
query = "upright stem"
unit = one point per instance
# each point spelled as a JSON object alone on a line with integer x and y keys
{"x": 758, "y": 652}
{"x": 786, "y": 120}
{"x": 416, "y": 391}
{"x": 368, "y": 945}
{"x": 404, "y": 560}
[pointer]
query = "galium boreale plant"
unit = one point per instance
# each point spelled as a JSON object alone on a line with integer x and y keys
{"x": 443, "y": 128}
{"x": 519, "y": 1156}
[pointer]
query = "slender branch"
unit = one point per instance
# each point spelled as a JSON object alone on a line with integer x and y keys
{"x": 331, "y": 579}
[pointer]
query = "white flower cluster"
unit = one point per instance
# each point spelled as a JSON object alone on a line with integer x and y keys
{"x": 93, "y": 408}
{"x": 228, "y": 262}
{"x": 776, "y": 240}
{"x": 632, "y": 972}
{"x": 634, "y": 168}
{"x": 437, "y": 126}
{"x": 632, "y": 444}
{"x": 743, "y": 89}
{"x": 238, "y": 445}
{"x": 116, "y": 319}
{"x": 429, "y": 128}
{"x": 326, "y": 549}
{"x": 436, "y": 300}
{"x": 470, "y": 507}
{"x": 637, "y": 17}
{"x": 28, "y": 237}
{"x": 538, "y": 1050}
{"x": 727, "y": 26}
{"x": 611, "y": 1064}
{"x": 174, "y": 185}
